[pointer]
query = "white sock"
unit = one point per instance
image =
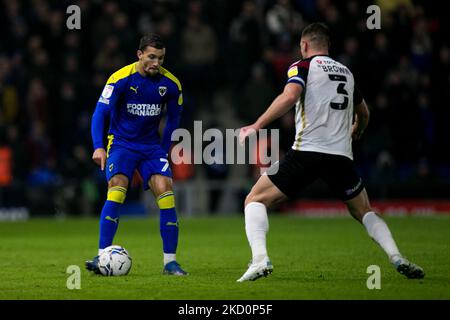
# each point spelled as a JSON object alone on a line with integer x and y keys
{"x": 100, "y": 251}
{"x": 169, "y": 257}
{"x": 256, "y": 227}
{"x": 379, "y": 231}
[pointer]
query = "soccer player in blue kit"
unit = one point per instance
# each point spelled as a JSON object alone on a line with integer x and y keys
{"x": 133, "y": 100}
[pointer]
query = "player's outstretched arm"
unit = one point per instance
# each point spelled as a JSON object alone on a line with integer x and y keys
{"x": 97, "y": 128}
{"x": 361, "y": 120}
{"x": 282, "y": 104}
{"x": 107, "y": 101}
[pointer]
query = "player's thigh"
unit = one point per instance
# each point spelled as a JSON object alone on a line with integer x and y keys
{"x": 287, "y": 178}
{"x": 155, "y": 171}
{"x": 341, "y": 175}
{"x": 120, "y": 165}
{"x": 160, "y": 184}
{"x": 266, "y": 192}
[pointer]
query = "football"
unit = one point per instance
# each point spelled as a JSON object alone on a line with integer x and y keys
{"x": 114, "y": 261}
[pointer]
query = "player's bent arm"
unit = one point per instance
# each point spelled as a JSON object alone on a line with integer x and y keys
{"x": 362, "y": 116}
{"x": 282, "y": 104}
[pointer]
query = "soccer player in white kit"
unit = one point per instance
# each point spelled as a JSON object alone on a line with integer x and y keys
{"x": 329, "y": 113}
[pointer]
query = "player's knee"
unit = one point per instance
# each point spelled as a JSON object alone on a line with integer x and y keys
{"x": 361, "y": 210}
{"x": 117, "y": 189}
{"x": 358, "y": 212}
{"x": 359, "y": 205}
{"x": 160, "y": 184}
{"x": 166, "y": 200}
{"x": 117, "y": 194}
{"x": 118, "y": 181}
{"x": 248, "y": 199}
{"x": 256, "y": 197}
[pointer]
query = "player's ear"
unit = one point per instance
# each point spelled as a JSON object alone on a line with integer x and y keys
{"x": 139, "y": 54}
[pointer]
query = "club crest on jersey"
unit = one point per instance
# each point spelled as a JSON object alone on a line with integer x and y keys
{"x": 162, "y": 91}
{"x": 293, "y": 71}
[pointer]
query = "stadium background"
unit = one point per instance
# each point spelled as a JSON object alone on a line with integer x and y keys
{"x": 231, "y": 57}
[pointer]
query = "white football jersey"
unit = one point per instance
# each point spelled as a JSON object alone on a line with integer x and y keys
{"x": 324, "y": 112}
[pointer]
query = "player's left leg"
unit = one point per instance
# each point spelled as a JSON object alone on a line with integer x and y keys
{"x": 161, "y": 187}
{"x": 263, "y": 194}
{"x": 359, "y": 207}
{"x": 341, "y": 174}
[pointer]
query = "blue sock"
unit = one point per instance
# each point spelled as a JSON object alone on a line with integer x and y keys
{"x": 168, "y": 226}
{"x": 109, "y": 221}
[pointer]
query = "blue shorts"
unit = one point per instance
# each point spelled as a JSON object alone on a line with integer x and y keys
{"x": 123, "y": 160}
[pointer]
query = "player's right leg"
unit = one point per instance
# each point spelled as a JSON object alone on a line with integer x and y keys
{"x": 109, "y": 218}
{"x": 120, "y": 165}
{"x": 263, "y": 194}
{"x": 378, "y": 230}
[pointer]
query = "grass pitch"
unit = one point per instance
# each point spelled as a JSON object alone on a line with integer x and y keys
{"x": 314, "y": 258}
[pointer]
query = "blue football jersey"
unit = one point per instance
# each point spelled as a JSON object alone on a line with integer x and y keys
{"x": 135, "y": 105}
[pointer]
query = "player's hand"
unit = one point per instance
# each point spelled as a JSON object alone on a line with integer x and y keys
{"x": 99, "y": 157}
{"x": 246, "y": 132}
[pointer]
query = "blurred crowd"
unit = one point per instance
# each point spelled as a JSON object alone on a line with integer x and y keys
{"x": 230, "y": 56}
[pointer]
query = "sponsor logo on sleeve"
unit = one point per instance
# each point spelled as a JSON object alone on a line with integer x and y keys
{"x": 107, "y": 91}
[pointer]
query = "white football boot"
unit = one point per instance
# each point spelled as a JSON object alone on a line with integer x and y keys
{"x": 257, "y": 270}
